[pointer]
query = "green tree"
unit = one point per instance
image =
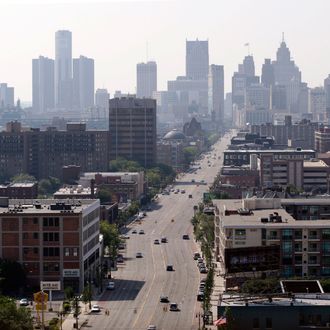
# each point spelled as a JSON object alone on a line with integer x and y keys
{"x": 69, "y": 292}
{"x": 23, "y": 177}
{"x": 87, "y": 295}
{"x": 13, "y": 317}
{"x": 12, "y": 276}
{"x": 122, "y": 164}
{"x": 258, "y": 286}
{"x": 190, "y": 153}
{"x": 104, "y": 195}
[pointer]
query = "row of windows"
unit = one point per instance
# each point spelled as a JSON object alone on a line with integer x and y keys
{"x": 52, "y": 252}
{"x": 51, "y": 222}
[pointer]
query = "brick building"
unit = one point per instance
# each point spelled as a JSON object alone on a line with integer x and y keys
{"x": 53, "y": 240}
{"x": 27, "y": 190}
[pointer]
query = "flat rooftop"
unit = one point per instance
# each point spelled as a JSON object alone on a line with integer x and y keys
{"x": 263, "y": 301}
{"x": 315, "y": 163}
{"x": 231, "y": 218}
{"x": 46, "y": 206}
{"x": 271, "y": 151}
{"x": 74, "y": 191}
{"x": 92, "y": 174}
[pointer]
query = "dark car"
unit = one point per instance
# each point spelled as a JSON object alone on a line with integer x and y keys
{"x": 169, "y": 268}
{"x": 186, "y": 236}
{"x": 163, "y": 299}
{"x": 163, "y": 240}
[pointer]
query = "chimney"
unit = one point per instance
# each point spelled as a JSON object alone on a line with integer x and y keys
{"x": 92, "y": 188}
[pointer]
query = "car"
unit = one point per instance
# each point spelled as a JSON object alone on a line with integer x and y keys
{"x": 175, "y": 192}
{"x": 202, "y": 286}
{"x": 203, "y": 270}
{"x": 174, "y": 307}
{"x": 163, "y": 240}
{"x": 203, "y": 280}
{"x": 141, "y": 232}
{"x": 200, "y": 260}
{"x": 156, "y": 241}
{"x": 138, "y": 255}
{"x": 192, "y": 180}
{"x": 134, "y": 231}
{"x": 200, "y": 296}
{"x": 120, "y": 258}
{"x": 183, "y": 191}
{"x": 197, "y": 255}
{"x": 121, "y": 246}
{"x": 185, "y": 236}
{"x": 124, "y": 237}
{"x": 96, "y": 309}
{"x": 169, "y": 268}
{"x": 111, "y": 286}
{"x": 163, "y": 299}
{"x": 190, "y": 196}
{"x": 152, "y": 327}
{"x": 24, "y": 302}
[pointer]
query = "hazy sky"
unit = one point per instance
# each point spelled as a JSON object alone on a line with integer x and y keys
{"x": 115, "y": 34}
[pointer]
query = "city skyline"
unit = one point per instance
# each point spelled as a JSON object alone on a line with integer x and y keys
{"x": 108, "y": 45}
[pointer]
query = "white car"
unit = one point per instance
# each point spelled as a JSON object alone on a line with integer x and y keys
{"x": 96, "y": 309}
{"x": 23, "y": 302}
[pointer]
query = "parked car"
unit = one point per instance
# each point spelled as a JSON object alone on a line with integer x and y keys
{"x": 139, "y": 255}
{"x": 95, "y": 309}
{"x": 163, "y": 240}
{"x": 24, "y": 302}
{"x": 152, "y": 327}
{"x": 185, "y": 236}
{"x": 141, "y": 232}
{"x": 169, "y": 268}
{"x": 134, "y": 231}
{"x": 200, "y": 296}
{"x": 156, "y": 241}
{"x": 197, "y": 255}
{"x": 163, "y": 299}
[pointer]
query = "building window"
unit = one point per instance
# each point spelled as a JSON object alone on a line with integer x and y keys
{"x": 287, "y": 234}
{"x": 25, "y": 235}
{"x": 66, "y": 252}
{"x": 269, "y": 323}
{"x": 312, "y": 234}
{"x": 35, "y": 235}
{"x": 51, "y": 222}
{"x": 287, "y": 247}
{"x": 298, "y": 234}
{"x": 25, "y": 250}
{"x": 51, "y": 237}
{"x": 255, "y": 323}
{"x": 51, "y": 251}
{"x": 240, "y": 233}
{"x": 35, "y": 221}
{"x": 75, "y": 252}
{"x": 326, "y": 247}
{"x": 36, "y": 250}
{"x": 326, "y": 234}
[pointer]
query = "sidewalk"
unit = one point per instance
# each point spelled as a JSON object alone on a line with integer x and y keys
{"x": 219, "y": 287}
{"x": 68, "y": 323}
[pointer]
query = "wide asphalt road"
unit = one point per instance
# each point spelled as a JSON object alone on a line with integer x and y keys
{"x": 134, "y": 304}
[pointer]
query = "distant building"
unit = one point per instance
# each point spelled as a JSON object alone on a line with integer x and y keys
{"x": 258, "y": 97}
{"x": 83, "y": 83}
{"x": 132, "y": 127}
{"x": 6, "y": 96}
{"x": 53, "y": 240}
{"x": 267, "y": 75}
{"x": 19, "y": 190}
{"x": 77, "y": 192}
{"x": 197, "y": 59}
{"x": 146, "y": 79}
{"x": 216, "y": 93}
{"x": 123, "y": 186}
{"x": 63, "y": 69}
{"x": 102, "y": 98}
{"x": 43, "y": 97}
{"x": 317, "y": 101}
{"x": 248, "y": 66}
{"x": 322, "y": 140}
{"x": 192, "y": 128}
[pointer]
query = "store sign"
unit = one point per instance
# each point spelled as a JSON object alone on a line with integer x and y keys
{"x": 71, "y": 272}
{"x": 50, "y": 285}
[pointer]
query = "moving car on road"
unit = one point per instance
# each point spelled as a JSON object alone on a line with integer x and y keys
{"x": 152, "y": 327}
{"x": 111, "y": 286}
{"x": 174, "y": 307}
{"x": 185, "y": 236}
{"x": 156, "y": 241}
{"x": 163, "y": 240}
{"x": 134, "y": 231}
{"x": 163, "y": 299}
{"x": 139, "y": 255}
{"x": 24, "y": 302}
{"x": 141, "y": 232}
{"x": 169, "y": 268}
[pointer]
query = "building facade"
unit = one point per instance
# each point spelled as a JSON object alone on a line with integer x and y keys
{"x": 216, "y": 89}
{"x": 146, "y": 79}
{"x": 132, "y": 127}
{"x": 53, "y": 240}
{"x": 197, "y": 59}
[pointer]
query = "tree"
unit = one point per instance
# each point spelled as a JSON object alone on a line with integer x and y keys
{"x": 104, "y": 195}
{"x": 87, "y": 295}
{"x": 23, "y": 177}
{"x": 13, "y": 317}
{"x": 190, "y": 154}
{"x": 12, "y": 275}
{"x": 122, "y": 164}
{"x": 69, "y": 293}
{"x": 258, "y": 286}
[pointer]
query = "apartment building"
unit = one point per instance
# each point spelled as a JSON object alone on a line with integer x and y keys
{"x": 322, "y": 140}
{"x": 44, "y": 153}
{"x": 255, "y": 236}
{"x": 54, "y": 240}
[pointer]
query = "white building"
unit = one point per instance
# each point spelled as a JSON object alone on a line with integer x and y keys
{"x": 146, "y": 79}
{"x": 102, "y": 98}
{"x": 197, "y": 59}
{"x": 216, "y": 92}
{"x": 63, "y": 69}
{"x": 43, "y": 97}
{"x": 83, "y": 83}
{"x": 317, "y": 100}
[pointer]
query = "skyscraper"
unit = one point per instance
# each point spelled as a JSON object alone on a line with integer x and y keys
{"x": 6, "y": 96}
{"x": 102, "y": 98}
{"x": 146, "y": 79}
{"x": 267, "y": 75}
{"x": 132, "y": 127}
{"x": 63, "y": 69}
{"x": 43, "y": 97}
{"x": 248, "y": 66}
{"x": 197, "y": 59}
{"x": 327, "y": 92}
{"x": 83, "y": 83}
{"x": 216, "y": 92}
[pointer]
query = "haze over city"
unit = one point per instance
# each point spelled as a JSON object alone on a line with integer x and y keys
{"x": 119, "y": 34}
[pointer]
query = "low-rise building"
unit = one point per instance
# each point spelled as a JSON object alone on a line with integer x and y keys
{"x": 77, "y": 192}
{"x": 255, "y": 236}
{"x": 54, "y": 240}
{"x": 322, "y": 139}
{"x": 123, "y": 186}
{"x": 20, "y": 190}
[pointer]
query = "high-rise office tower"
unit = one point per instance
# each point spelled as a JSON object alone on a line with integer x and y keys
{"x": 258, "y": 97}
{"x": 43, "y": 97}
{"x": 267, "y": 75}
{"x": 6, "y": 96}
{"x": 102, "y": 98}
{"x": 83, "y": 83}
{"x": 197, "y": 59}
{"x": 132, "y": 127}
{"x": 216, "y": 92}
{"x": 146, "y": 79}
{"x": 63, "y": 69}
{"x": 248, "y": 66}
{"x": 317, "y": 100}
{"x": 327, "y": 92}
